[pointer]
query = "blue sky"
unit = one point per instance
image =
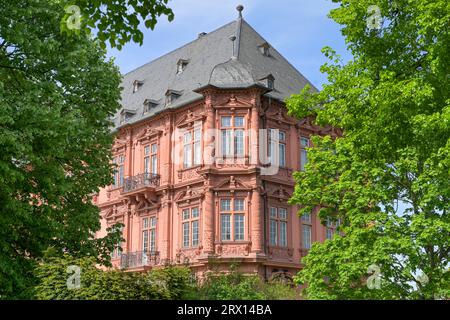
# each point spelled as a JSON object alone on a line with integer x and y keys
{"x": 298, "y": 29}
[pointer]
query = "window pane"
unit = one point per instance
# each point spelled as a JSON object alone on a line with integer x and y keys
{"x": 187, "y": 137}
{"x": 152, "y": 222}
{"x": 194, "y": 213}
{"x": 186, "y": 234}
{"x": 226, "y": 121}
{"x": 186, "y": 214}
{"x": 273, "y": 232}
{"x": 238, "y": 121}
{"x": 239, "y": 142}
{"x": 147, "y": 150}
{"x": 188, "y": 156}
{"x": 306, "y": 236}
{"x": 238, "y": 227}
{"x": 283, "y": 234}
{"x": 121, "y": 175}
{"x": 197, "y": 153}
{"x": 282, "y": 136}
{"x": 282, "y": 148}
{"x": 225, "y": 205}
{"x": 145, "y": 223}
{"x": 303, "y": 159}
{"x": 226, "y": 142}
{"x": 238, "y": 204}
{"x": 304, "y": 142}
{"x": 197, "y": 134}
{"x": 195, "y": 233}
{"x": 329, "y": 233}
{"x": 145, "y": 240}
{"x": 273, "y": 212}
{"x": 225, "y": 227}
{"x": 146, "y": 165}
{"x": 283, "y": 213}
{"x": 154, "y": 148}
{"x": 152, "y": 241}
{"x": 306, "y": 218}
{"x": 154, "y": 165}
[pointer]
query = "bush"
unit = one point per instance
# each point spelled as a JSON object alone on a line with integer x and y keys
{"x": 95, "y": 284}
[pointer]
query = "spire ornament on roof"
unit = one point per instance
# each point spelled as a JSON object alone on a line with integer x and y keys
{"x": 240, "y": 8}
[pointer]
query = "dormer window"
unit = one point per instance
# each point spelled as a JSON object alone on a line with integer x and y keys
{"x": 137, "y": 85}
{"x": 149, "y": 104}
{"x": 172, "y": 95}
{"x": 126, "y": 115}
{"x": 269, "y": 82}
{"x": 265, "y": 49}
{"x": 181, "y": 65}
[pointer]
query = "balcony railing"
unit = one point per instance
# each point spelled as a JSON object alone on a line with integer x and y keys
{"x": 140, "y": 181}
{"x": 139, "y": 259}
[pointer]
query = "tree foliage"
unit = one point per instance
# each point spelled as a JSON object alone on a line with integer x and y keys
{"x": 57, "y": 95}
{"x": 387, "y": 176}
{"x": 116, "y": 22}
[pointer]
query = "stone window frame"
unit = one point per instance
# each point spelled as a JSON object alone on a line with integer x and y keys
{"x": 149, "y": 228}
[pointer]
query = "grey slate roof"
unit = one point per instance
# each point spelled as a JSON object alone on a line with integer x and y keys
{"x": 210, "y": 62}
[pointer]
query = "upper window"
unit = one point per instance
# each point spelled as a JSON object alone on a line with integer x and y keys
{"x": 306, "y": 231}
{"x": 278, "y": 227}
{"x": 232, "y": 136}
{"x": 119, "y": 171}
{"x": 149, "y": 235}
{"x": 232, "y": 219}
{"x": 192, "y": 142}
{"x": 304, "y": 143}
{"x": 151, "y": 159}
{"x": 190, "y": 227}
{"x": 272, "y": 150}
{"x": 265, "y": 49}
{"x": 149, "y": 105}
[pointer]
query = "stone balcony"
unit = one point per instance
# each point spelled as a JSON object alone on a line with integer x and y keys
{"x": 141, "y": 181}
{"x": 139, "y": 259}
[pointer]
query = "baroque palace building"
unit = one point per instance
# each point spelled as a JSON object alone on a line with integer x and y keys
{"x": 205, "y": 153}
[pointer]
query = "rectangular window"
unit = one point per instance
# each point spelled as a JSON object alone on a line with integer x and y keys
{"x": 232, "y": 219}
{"x": 238, "y": 227}
{"x": 150, "y": 159}
{"x": 239, "y": 142}
{"x": 119, "y": 171}
{"x": 190, "y": 227}
{"x": 282, "y": 152}
{"x": 273, "y": 232}
{"x": 186, "y": 234}
{"x": 306, "y": 218}
{"x": 304, "y": 143}
{"x": 187, "y": 150}
{"x": 197, "y": 147}
{"x": 278, "y": 227}
{"x": 225, "y": 227}
{"x": 232, "y": 137}
{"x": 239, "y": 205}
{"x": 149, "y": 234}
{"x": 306, "y": 236}
{"x": 283, "y": 234}
{"x": 329, "y": 233}
{"x": 195, "y": 233}
{"x": 225, "y": 205}
{"x": 226, "y": 142}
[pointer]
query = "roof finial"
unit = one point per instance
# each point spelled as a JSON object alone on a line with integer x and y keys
{"x": 240, "y": 8}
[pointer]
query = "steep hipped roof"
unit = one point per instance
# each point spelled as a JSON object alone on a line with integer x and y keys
{"x": 212, "y": 59}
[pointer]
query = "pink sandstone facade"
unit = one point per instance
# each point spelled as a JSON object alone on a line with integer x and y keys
{"x": 192, "y": 185}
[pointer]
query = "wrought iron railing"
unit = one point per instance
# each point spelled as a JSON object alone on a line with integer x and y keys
{"x": 140, "y": 181}
{"x": 139, "y": 259}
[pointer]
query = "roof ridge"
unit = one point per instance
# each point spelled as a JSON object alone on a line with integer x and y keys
{"x": 185, "y": 45}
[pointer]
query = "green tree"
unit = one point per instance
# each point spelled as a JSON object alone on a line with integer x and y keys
{"x": 387, "y": 176}
{"x": 116, "y": 22}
